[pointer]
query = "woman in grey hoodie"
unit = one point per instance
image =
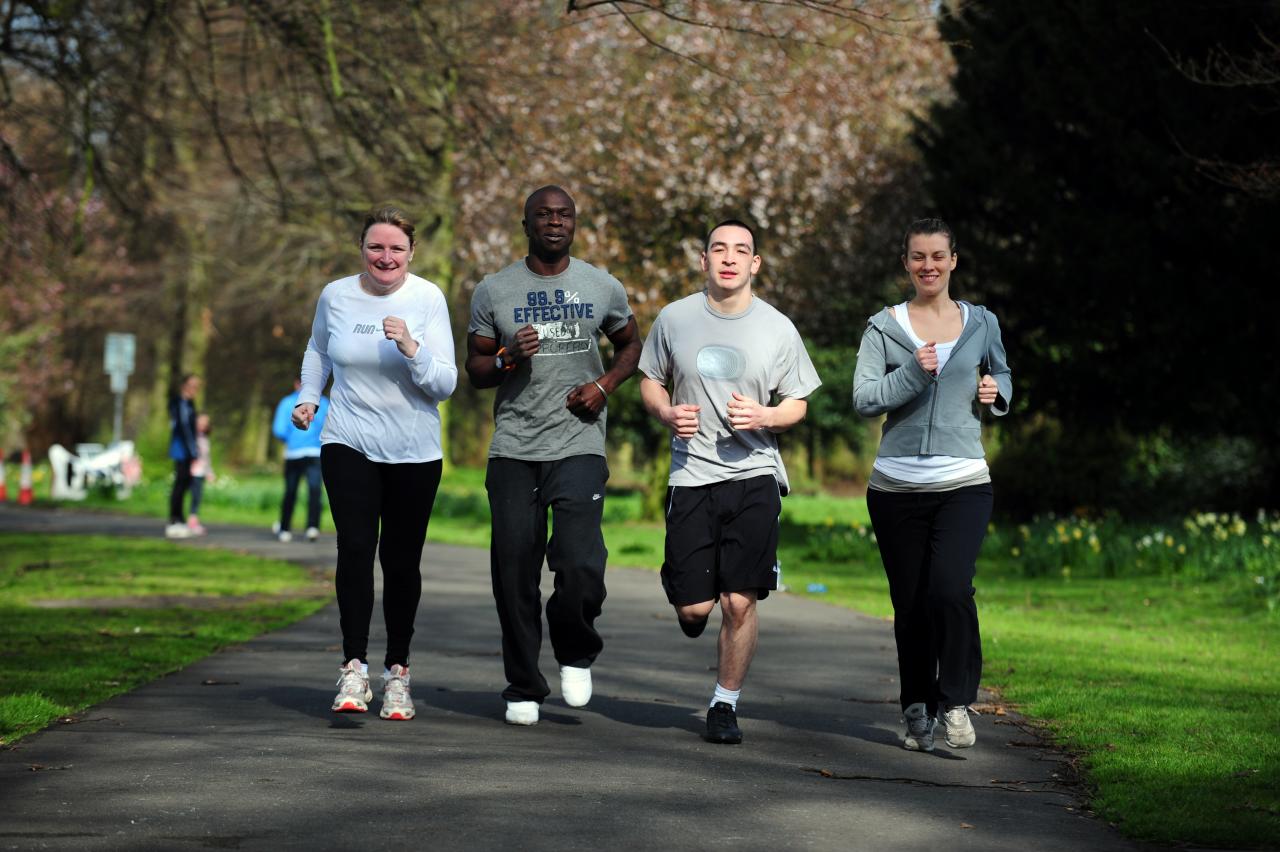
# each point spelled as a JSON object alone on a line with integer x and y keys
{"x": 932, "y": 365}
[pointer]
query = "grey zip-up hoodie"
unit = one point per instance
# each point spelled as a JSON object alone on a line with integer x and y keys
{"x": 930, "y": 415}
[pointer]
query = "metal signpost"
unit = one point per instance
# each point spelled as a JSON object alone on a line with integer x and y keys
{"x": 118, "y": 363}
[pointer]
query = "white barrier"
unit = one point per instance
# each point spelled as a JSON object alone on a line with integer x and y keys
{"x": 74, "y": 475}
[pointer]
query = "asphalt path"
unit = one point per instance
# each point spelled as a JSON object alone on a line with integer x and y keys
{"x": 240, "y": 751}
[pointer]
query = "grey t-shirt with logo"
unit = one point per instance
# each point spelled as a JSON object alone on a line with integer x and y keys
{"x": 702, "y": 357}
{"x": 570, "y": 311}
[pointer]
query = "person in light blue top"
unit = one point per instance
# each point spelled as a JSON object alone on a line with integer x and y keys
{"x": 301, "y": 459}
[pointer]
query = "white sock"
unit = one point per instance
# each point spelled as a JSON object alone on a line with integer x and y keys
{"x": 728, "y": 696}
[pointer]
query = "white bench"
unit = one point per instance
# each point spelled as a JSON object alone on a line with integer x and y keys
{"x": 74, "y": 475}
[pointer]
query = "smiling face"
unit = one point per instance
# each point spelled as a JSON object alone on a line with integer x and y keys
{"x": 730, "y": 259}
{"x": 387, "y": 252}
{"x": 549, "y": 221}
{"x": 929, "y": 261}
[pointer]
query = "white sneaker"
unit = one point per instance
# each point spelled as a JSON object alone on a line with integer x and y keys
{"x": 919, "y": 728}
{"x": 575, "y": 685}
{"x": 957, "y": 727}
{"x": 396, "y": 703}
{"x": 284, "y": 536}
{"x": 275, "y": 528}
{"x": 354, "y": 693}
{"x": 313, "y": 533}
{"x": 177, "y": 531}
{"x": 522, "y": 712}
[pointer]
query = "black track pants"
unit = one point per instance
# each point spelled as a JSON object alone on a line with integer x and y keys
{"x": 520, "y": 493}
{"x": 929, "y": 543}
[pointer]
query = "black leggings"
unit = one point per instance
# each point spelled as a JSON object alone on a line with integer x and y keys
{"x": 929, "y": 543}
{"x": 362, "y": 493}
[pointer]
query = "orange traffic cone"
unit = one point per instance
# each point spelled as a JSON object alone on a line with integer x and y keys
{"x": 4, "y": 489}
{"x": 24, "y": 481}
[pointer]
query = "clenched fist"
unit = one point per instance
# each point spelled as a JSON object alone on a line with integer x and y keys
{"x": 987, "y": 391}
{"x": 303, "y": 414}
{"x": 927, "y": 357}
{"x": 396, "y": 329}
{"x": 682, "y": 419}
{"x": 745, "y": 413}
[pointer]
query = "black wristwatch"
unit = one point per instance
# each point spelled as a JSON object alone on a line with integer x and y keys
{"x": 502, "y": 364}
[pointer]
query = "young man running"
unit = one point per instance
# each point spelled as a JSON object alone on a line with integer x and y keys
{"x": 711, "y": 365}
{"x": 534, "y": 334}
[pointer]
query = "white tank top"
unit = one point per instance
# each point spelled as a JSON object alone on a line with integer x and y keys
{"x": 927, "y": 469}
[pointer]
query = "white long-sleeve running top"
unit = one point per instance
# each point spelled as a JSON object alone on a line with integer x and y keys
{"x": 383, "y": 404}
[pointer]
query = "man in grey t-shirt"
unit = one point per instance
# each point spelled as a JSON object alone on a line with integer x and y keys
{"x": 534, "y": 335}
{"x": 711, "y": 365}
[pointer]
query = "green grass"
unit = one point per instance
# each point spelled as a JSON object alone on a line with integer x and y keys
{"x": 1167, "y": 691}
{"x": 1149, "y": 653}
{"x": 57, "y": 661}
{"x": 460, "y": 516}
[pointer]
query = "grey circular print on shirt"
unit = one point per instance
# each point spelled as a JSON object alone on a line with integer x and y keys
{"x": 720, "y": 362}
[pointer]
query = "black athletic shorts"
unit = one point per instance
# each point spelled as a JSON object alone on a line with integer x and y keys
{"x": 721, "y": 538}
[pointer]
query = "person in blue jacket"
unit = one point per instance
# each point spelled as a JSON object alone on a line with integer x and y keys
{"x": 182, "y": 449}
{"x": 301, "y": 458}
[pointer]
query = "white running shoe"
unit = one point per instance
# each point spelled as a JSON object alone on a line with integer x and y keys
{"x": 575, "y": 685}
{"x": 354, "y": 693}
{"x": 522, "y": 712}
{"x": 313, "y": 533}
{"x": 396, "y": 703}
{"x": 275, "y": 528}
{"x": 919, "y": 728}
{"x": 284, "y": 536}
{"x": 957, "y": 727}
{"x": 177, "y": 531}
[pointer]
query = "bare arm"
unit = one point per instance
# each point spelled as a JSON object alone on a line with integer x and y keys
{"x": 746, "y": 413}
{"x": 480, "y": 367}
{"x": 481, "y": 352}
{"x": 680, "y": 419}
{"x": 588, "y": 400}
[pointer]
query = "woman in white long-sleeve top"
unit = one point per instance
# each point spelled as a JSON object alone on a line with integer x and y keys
{"x": 385, "y": 337}
{"x": 932, "y": 365}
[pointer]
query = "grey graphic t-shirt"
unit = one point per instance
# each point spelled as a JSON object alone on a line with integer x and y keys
{"x": 702, "y": 357}
{"x": 570, "y": 311}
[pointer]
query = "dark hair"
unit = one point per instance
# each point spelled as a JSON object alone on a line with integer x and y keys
{"x": 928, "y": 227}
{"x": 549, "y": 188}
{"x": 737, "y": 223}
{"x": 388, "y": 215}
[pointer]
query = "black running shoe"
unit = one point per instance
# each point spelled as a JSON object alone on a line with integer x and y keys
{"x": 722, "y": 725}
{"x": 693, "y": 629}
